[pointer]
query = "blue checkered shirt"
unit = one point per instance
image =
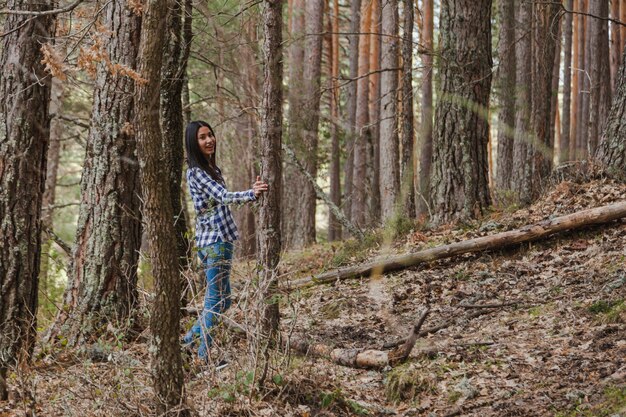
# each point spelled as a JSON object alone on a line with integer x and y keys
{"x": 214, "y": 221}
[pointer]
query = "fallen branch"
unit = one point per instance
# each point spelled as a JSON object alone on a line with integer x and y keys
{"x": 498, "y": 241}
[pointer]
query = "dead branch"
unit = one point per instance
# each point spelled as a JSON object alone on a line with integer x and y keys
{"x": 498, "y": 241}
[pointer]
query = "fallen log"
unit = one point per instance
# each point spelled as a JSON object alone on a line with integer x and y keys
{"x": 527, "y": 233}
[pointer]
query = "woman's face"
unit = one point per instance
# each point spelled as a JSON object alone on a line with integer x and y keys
{"x": 206, "y": 141}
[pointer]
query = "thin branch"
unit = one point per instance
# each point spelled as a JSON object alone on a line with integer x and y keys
{"x": 42, "y": 13}
{"x": 617, "y": 22}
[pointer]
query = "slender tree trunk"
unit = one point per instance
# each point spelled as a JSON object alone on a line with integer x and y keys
{"x": 354, "y": 38}
{"x": 334, "y": 227}
{"x": 374, "y": 154}
{"x": 506, "y": 94}
{"x": 599, "y": 72}
{"x": 522, "y": 164}
{"x": 564, "y": 144}
{"x": 389, "y": 146}
{"x": 555, "y": 131}
{"x": 176, "y": 53}
{"x": 460, "y": 186}
{"x": 581, "y": 127}
{"x": 612, "y": 149}
{"x": 408, "y": 138}
{"x": 576, "y": 32}
{"x": 269, "y": 233}
{"x": 583, "y": 134}
{"x": 24, "y": 136}
{"x": 426, "y": 130}
{"x": 616, "y": 40}
{"x": 103, "y": 275}
{"x": 165, "y": 315}
{"x": 359, "y": 206}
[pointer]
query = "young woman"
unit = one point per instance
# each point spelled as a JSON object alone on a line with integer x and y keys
{"x": 215, "y": 227}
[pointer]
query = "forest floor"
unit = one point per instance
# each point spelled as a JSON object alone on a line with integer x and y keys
{"x": 555, "y": 347}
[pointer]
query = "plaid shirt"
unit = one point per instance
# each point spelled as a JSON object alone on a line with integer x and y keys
{"x": 214, "y": 221}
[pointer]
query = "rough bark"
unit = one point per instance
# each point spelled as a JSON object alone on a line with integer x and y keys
{"x": 426, "y": 129}
{"x": 389, "y": 146}
{"x": 176, "y": 53}
{"x": 157, "y": 208}
{"x": 506, "y": 94}
{"x": 408, "y": 138}
{"x": 616, "y": 41}
{"x": 576, "y": 32}
{"x": 374, "y": 152}
{"x": 583, "y": 127}
{"x": 460, "y": 186}
{"x": 334, "y": 228}
{"x": 269, "y": 234}
{"x": 103, "y": 274}
{"x": 599, "y": 72}
{"x": 24, "y": 136}
{"x": 598, "y": 215}
{"x": 359, "y": 194}
{"x": 564, "y": 143}
{"x": 612, "y": 149}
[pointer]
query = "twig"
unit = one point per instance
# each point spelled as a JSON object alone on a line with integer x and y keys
{"x": 42, "y": 13}
{"x": 499, "y": 305}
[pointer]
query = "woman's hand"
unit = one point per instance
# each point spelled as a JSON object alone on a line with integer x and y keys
{"x": 259, "y": 187}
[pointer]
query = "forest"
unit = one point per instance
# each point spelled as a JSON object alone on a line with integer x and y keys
{"x": 424, "y": 202}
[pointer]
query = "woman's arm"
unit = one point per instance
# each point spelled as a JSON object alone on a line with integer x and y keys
{"x": 208, "y": 188}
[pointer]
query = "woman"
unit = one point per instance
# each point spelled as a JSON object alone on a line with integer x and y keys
{"x": 215, "y": 227}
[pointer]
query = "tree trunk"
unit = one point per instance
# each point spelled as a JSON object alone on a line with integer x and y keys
{"x": 599, "y": 72}
{"x": 374, "y": 154}
{"x": 334, "y": 228}
{"x": 555, "y": 131}
{"x": 408, "y": 138}
{"x": 354, "y": 39}
{"x": 564, "y": 144}
{"x": 529, "y": 233}
{"x": 583, "y": 133}
{"x": 389, "y": 147}
{"x": 576, "y": 33}
{"x": 460, "y": 187}
{"x": 157, "y": 208}
{"x": 612, "y": 149}
{"x": 102, "y": 283}
{"x": 426, "y": 131}
{"x": 359, "y": 204}
{"x": 616, "y": 41}
{"x": 24, "y": 136}
{"x": 268, "y": 231}
{"x": 506, "y": 94}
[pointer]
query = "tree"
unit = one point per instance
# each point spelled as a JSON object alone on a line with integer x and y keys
{"x": 24, "y": 136}
{"x": 103, "y": 273}
{"x": 334, "y": 227}
{"x": 506, "y": 94}
{"x": 564, "y": 144}
{"x": 426, "y": 130}
{"x": 459, "y": 182}
{"x": 374, "y": 116}
{"x": 616, "y": 40}
{"x": 389, "y": 146}
{"x": 165, "y": 314}
{"x": 612, "y": 149}
{"x": 406, "y": 163}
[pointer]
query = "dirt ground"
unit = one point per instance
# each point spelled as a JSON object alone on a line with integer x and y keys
{"x": 553, "y": 342}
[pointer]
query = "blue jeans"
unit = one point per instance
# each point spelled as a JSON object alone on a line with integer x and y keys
{"x": 216, "y": 259}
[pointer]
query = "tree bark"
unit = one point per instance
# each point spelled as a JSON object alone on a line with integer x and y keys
{"x": 529, "y": 233}
{"x": 460, "y": 186}
{"x": 599, "y": 72}
{"x": 612, "y": 149}
{"x": 408, "y": 138}
{"x": 583, "y": 128}
{"x": 426, "y": 130}
{"x": 389, "y": 146}
{"x": 564, "y": 144}
{"x": 616, "y": 41}
{"x": 374, "y": 153}
{"x": 269, "y": 234}
{"x": 157, "y": 207}
{"x": 576, "y": 33}
{"x": 334, "y": 228}
{"x": 103, "y": 274}
{"x": 506, "y": 94}
{"x": 24, "y": 137}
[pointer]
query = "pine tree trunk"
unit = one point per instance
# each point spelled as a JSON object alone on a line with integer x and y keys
{"x": 374, "y": 153}
{"x": 506, "y": 94}
{"x": 359, "y": 206}
{"x": 564, "y": 144}
{"x": 581, "y": 127}
{"x": 583, "y": 134}
{"x": 555, "y": 132}
{"x": 334, "y": 227}
{"x": 157, "y": 208}
{"x": 269, "y": 233}
{"x": 599, "y": 72}
{"x": 616, "y": 41}
{"x": 460, "y": 186}
{"x": 406, "y": 165}
{"x": 612, "y": 149}
{"x": 389, "y": 146}
{"x": 426, "y": 131}
{"x": 24, "y": 136}
{"x": 103, "y": 274}
{"x": 176, "y": 53}
{"x": 576, "y": 32}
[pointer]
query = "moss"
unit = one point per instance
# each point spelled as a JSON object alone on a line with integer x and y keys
{"x": 406, "y": 383}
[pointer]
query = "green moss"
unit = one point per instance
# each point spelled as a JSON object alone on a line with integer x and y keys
{"x": 406, "y": 382}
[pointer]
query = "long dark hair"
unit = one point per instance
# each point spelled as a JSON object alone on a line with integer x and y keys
{"x": 195, "y": 158}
